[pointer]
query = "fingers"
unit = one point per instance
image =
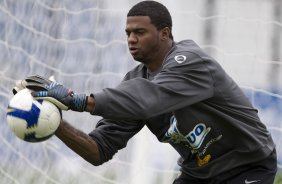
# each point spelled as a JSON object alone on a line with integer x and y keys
{"x": 37, "y": 83}
{"x": 37, "y": 79}
{"x": 34, "y": 83}
{"x": 21, "y": 84}
{"x": 36, "y": 86}
{"x": 38, "y": 94}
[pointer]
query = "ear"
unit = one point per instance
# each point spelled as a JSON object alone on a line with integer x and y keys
{"x": 165, "y": 32}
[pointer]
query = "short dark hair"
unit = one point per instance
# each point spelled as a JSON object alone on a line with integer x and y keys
{"x": 157, "y": 12}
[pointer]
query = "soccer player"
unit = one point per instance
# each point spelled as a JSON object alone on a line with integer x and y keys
{"x": 183, "y": 96}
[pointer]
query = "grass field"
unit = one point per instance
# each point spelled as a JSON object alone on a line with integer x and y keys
{"x": 278, "y": 179}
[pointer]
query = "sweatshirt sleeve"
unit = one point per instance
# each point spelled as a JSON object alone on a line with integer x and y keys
{"x": 178, "y": 84}
{"x": 112, "y": 136}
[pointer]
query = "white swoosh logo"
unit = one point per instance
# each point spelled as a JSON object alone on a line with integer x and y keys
{"x": 248, "y": 182}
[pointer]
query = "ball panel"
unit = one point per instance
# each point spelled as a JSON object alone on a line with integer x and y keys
{"x": 52, "y": 114}
{"x": 43, "y": 129}
{"x": 31, "y": 116}
{"x": 18, "y": 102}
{"x": 17, "y": 125}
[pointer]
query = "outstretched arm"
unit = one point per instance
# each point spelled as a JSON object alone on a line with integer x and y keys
{"x": 79, "y": 142}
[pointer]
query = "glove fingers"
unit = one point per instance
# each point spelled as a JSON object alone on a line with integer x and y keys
{"x": 37, "y": 79}
{"x": 39, "y": 94}
{"x": 36, "y": 86}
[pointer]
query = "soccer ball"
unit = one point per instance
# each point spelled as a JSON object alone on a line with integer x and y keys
{"x": 32, "y": 120}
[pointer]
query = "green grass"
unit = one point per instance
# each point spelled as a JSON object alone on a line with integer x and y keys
{"x": 278, "y": 178}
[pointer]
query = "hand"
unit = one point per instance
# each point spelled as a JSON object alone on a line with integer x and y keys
{"x": 21, "y": 84}
{"x": 56, "y": 93}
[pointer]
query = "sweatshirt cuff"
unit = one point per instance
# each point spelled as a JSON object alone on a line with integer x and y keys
{"x": 100, "y": 101}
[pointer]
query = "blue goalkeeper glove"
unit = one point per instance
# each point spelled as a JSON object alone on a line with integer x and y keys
{"x": 56, "y": 93}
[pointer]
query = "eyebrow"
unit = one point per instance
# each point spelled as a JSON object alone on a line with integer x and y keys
{"x": 134, "y": 29}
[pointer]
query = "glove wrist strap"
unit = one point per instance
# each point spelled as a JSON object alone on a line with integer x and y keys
{"x": 79, "y": 102}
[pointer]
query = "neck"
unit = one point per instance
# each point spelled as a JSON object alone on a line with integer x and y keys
{"x": 157, "y": 61}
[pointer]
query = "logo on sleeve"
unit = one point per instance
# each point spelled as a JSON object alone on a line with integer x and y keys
{"x": 253, "y": 181}
{"x": 180, "y": 58}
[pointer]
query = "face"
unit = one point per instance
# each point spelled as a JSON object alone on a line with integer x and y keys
{"x": 143, "y": 38}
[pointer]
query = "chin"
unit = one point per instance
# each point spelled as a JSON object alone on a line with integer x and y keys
{"x": 139, "y": 59}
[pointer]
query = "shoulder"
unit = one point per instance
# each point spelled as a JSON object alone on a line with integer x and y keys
{"x": 186, "y": 52}
{"x": 183, "y": 53}
{"x": 187, "y": 48}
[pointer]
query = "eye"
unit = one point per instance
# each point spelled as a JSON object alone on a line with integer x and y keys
{"x": 140, "y": 32}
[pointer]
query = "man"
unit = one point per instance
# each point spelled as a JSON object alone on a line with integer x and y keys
{"x": 183, "y": 96}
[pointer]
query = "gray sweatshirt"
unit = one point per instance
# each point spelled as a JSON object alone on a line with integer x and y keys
{"x": 190, "y": 103}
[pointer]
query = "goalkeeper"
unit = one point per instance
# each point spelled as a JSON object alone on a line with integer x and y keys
{"x": 183, "y": 96}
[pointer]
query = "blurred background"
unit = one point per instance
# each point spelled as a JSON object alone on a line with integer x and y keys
{"x": 83, "y": 45}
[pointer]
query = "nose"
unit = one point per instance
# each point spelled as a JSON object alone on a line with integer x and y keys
{"x": 132, "y": 38}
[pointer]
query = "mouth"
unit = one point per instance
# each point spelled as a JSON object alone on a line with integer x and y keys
{"x": 133, "y": 50}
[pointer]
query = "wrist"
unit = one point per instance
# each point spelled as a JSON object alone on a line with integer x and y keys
{"x": 90, "y": 103}
{"x": 79, "y": 102}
